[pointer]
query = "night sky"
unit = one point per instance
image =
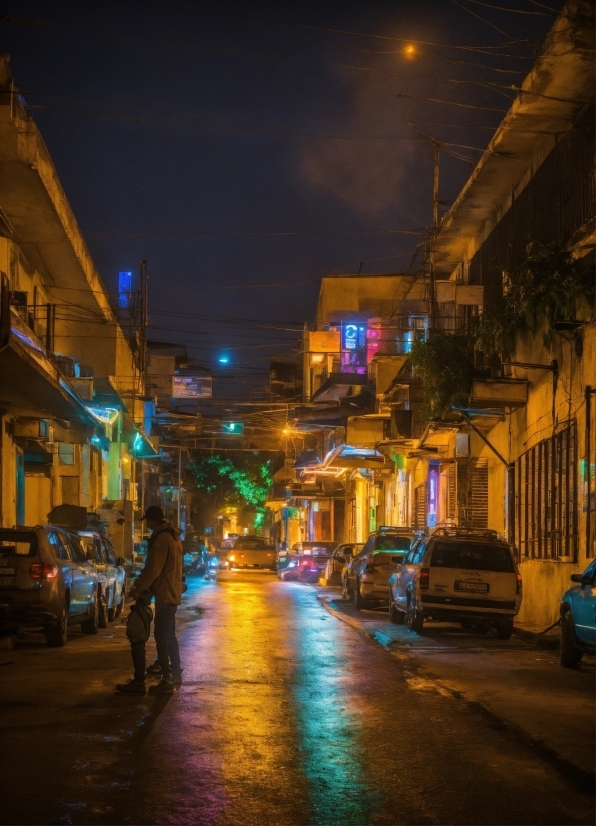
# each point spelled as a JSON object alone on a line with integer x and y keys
{"x": 193, "y": 135}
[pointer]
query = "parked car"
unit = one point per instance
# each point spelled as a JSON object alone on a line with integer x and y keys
{"x": 578, "y": 618}
{"x": 369, "y": 576}
{"x": 195, "y": 554}
{"x": 313, "y": 558}
{"x": 458, "y": 575}
{"x": 46, "y": 580}
{"x": 338, "y": 560}
{"x": 111, "y": 575}
{"x": 252, "y": 552}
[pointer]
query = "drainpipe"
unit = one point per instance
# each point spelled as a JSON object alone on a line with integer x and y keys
{"x": 588, "y": 447}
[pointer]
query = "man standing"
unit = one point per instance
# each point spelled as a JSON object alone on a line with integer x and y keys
{"x": 162, "y": 575}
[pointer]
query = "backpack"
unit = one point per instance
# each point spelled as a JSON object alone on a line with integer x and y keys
{"x": 138, "y": 624}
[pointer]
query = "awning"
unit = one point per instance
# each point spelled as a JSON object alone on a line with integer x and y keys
{"x": 29, "y": 378}
{"x": 346, "y": 456}
{"x": 307, "y": 459}
{"x": 338, "y": 386}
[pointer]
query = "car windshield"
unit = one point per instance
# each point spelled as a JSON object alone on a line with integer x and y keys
{"x": 318, "y": 547}
{"x": 392, "y": 542}
{"x": 384, "y": 558}
{"x": 478, "y": 556}
{"x": 19, "y": 543}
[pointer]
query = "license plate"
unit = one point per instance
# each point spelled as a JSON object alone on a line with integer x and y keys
{"x": 476, "y": 587}
{"x": 6, "y": 581}
{"x": 7, "y": 571}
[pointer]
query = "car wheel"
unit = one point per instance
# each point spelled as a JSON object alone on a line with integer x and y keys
{"x": 344, "y": 590}
{"x": 57, "y": 634}
{"x": 91, "y": 625}
{"x": 395, "y": 616}
{"x": 120, "y": 604}
{"x": 414, "y": 619}
{"x": 102, "y": 609}
{"x": 505, "y": 629}
{"x": 570, "y": 656}
{"x": 359, "y": 600}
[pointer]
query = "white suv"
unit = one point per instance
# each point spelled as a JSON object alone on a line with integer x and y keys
{"x": 454, "y": 574}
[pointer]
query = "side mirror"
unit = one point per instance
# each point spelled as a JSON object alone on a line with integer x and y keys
{"x": 584, "y": 580}
{"x": 120, "y": 561}
{"x": 341, "y": 560}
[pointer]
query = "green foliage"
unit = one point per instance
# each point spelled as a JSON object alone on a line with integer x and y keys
{"x": 219, "y": 481}
{"x": 548, "y": 287}
{"x": 445, "y": 365}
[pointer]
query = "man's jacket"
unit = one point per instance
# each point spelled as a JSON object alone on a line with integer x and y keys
{"x": 163, "y": 567}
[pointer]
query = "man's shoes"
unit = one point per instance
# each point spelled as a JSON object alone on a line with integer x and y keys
{"x": 154, "y": 668}
{"x": 162, "y": 687}
{"x": 177, "y": 680}
{"x": 131, "y": 687}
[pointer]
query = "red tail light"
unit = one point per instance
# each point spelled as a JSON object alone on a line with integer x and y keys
{"x": 41, "y": 570}
{"x": 423, "y": 578}
{"x": 518, "y": 587}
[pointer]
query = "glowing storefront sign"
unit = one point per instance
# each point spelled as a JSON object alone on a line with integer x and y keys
{"x": 192, "y": 387}
{"x": 353, "y": 336}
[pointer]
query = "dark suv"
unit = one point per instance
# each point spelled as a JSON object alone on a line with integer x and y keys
{"x": 46, "y": 580}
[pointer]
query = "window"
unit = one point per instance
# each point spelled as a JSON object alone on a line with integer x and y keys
{"x": 419, "y": 553}
{"x": 66, "y": 453}
{"x": 546, "y": 498}
{"x": 476, "y": 556}
{"x": 18, "y": 543}
{"x": 109, "y": 551}
{"x": 59, "y": 547}
{"x": 77, "y": 554}
{"x": 392, "y": 542}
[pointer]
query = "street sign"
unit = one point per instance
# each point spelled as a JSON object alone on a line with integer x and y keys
{"x": 192, "y": 387}
{"x": 232, "y": 428}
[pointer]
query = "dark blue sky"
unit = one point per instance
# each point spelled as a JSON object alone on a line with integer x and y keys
{"x": 166, "y": 119}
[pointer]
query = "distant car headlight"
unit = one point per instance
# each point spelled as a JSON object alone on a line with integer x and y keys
{"x": 291, "y": 564}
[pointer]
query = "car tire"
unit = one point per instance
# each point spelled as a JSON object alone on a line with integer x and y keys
{"x": 395, "y": 616}
{"x": 57, "y": 633}
{"x": 414, "y": 619}
{"x": 359, "y": 600}
{"x": 570, "y": 655}
{"x": 505, "y": 629}
{"x": 102, "y": 609}
{"x": 120, "y": 605}
{"x": 91, "y": 625}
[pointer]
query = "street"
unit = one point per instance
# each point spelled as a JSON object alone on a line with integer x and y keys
{"x": 287, "y": 715}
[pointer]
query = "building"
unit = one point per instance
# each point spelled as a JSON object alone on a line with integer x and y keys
{"x": 73, "y": 415}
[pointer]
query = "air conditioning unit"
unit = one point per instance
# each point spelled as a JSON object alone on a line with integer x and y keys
{"x": 84, "y": 388}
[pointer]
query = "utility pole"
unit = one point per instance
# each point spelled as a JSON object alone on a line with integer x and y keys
{"x": 143, "y": 319}
{"x": 179, "y": 482}
{"x": 432, "y": 285}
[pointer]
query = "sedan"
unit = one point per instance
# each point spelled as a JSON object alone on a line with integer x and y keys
{"x": 578, "y": 618}
{"x": 340, "y": 557}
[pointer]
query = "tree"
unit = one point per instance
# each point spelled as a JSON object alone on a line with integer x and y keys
{"x": 240, "y": 479}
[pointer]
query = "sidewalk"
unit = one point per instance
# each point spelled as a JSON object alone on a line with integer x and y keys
{"x": 518, "y": 683}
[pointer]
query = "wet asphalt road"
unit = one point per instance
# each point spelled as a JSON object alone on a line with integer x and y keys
{"x": 286, "y": 716}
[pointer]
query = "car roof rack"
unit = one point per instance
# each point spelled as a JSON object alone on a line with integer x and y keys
{"x": 464, "y": 532}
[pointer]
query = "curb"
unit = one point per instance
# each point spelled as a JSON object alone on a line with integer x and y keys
{"x": 583, "y": 779}
{"x": 550, "y": 642}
